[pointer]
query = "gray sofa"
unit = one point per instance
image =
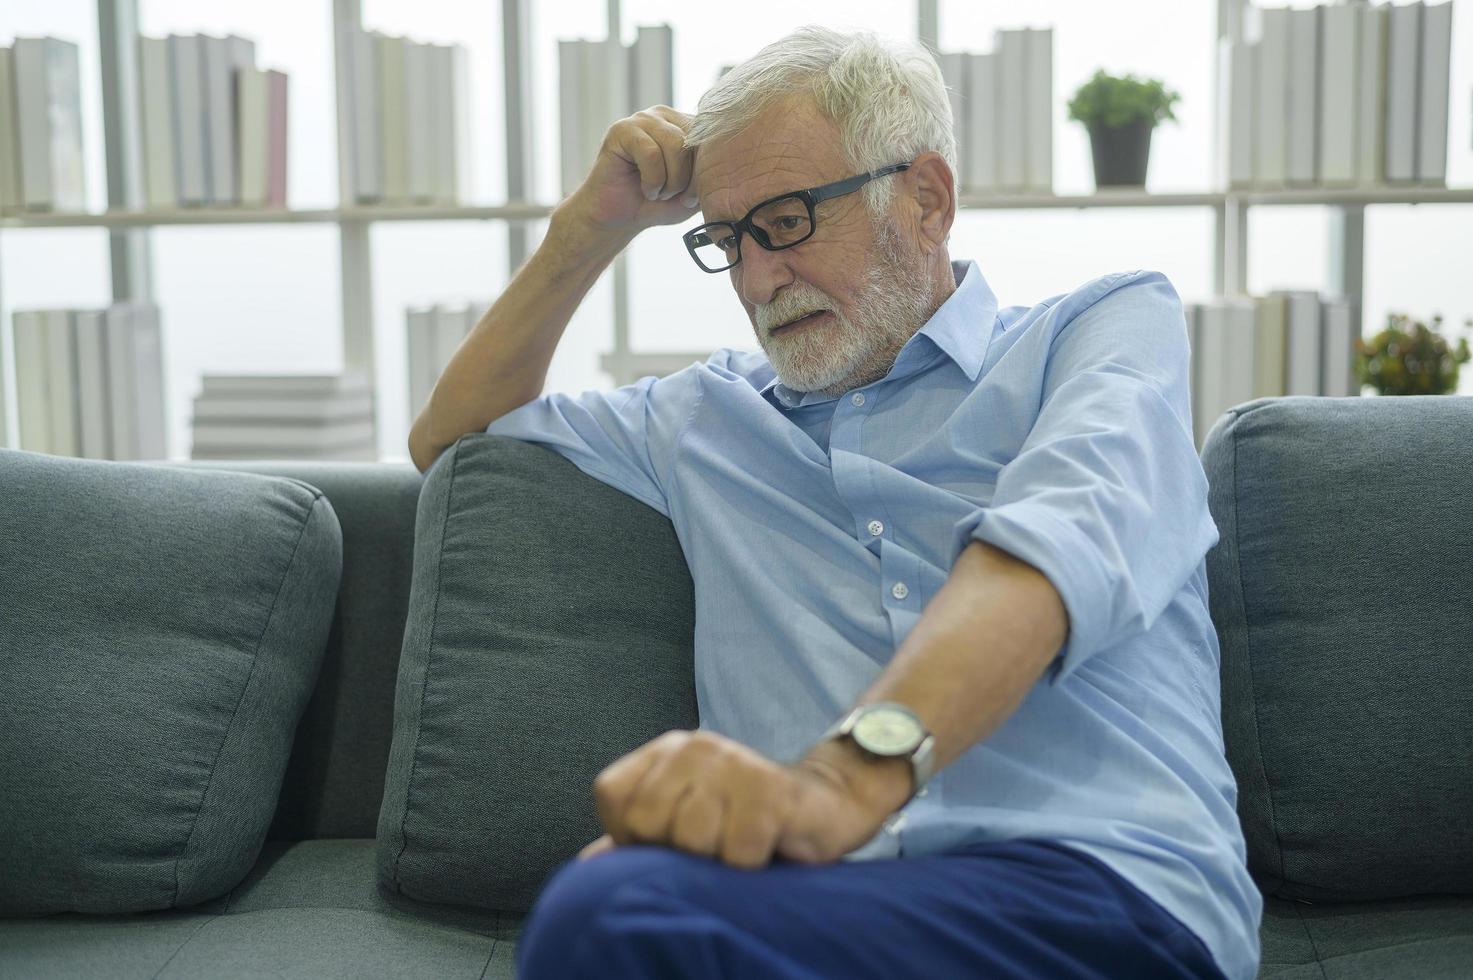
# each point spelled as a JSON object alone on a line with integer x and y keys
{"x": 1342, "y": 591}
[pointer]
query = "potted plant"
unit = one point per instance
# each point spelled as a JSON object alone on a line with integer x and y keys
{"x": 1409, "y": 359}
{"x": 1120, "y": 114}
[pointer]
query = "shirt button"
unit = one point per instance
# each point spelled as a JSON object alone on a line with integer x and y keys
{"x": 858, "y": 398}
{"x": 899, "y": 590}
{"x": 876, "y": 528}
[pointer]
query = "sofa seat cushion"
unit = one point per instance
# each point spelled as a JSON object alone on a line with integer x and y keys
{"x": 307, "y": 909}
{"x": 161, "y": 630}
{"x": 1425, "y": 938}
{"x": 550, "y": 631}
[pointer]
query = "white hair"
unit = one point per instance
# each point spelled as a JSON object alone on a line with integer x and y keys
{"x": 886, "y": 96}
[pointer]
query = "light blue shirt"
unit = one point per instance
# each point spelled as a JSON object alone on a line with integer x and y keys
{"x": 817, "y": 529}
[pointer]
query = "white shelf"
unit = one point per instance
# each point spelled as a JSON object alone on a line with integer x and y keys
{"x": 528, "y": 211}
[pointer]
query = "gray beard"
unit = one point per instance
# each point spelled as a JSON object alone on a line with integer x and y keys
{"x": 851, "y": 352}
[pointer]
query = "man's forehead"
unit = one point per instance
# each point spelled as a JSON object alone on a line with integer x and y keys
{"x": 784, "y": 151}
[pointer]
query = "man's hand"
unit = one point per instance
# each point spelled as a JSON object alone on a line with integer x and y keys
{"x": 701, "y": 792}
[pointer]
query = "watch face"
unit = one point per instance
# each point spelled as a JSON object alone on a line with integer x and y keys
{"x": 887, "y": 731}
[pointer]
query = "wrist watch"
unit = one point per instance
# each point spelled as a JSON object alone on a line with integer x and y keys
{"x": 889, "y": 729}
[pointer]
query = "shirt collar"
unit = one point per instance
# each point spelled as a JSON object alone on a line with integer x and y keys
{"x": 961, "y": 328}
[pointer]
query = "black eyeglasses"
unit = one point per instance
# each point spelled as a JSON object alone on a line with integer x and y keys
{"x": 775, "y": 224}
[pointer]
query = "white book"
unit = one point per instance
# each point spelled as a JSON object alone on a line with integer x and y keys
{"x": 10, "y": 190}
{"x": 192, "y": 168}
{"x": 1370, "y": 96}
{"x": 1236, "y": 130}
{"x": 156, "y": 92}
{"x": 1340, "y": 336}
{"x": 462, "y": 175}
{"x": 1038, "y": 175}
{"x": 61, "y": 382}
{"x": 214, "y": 408}
{"x": 1270, "y": 345}
{"x": 33, "y": 404}
{"x": 276, "y": 146}
{"x": 267, "y": 438}
{"x": 1304, "y": 351}
{"x": 122, "y": 383}
{"x": 571, "y": 125}
{"x": 1238, "y": 356}
{"x": 285, "y": 385}
{"x": 223, "y": 56}
{"x": 1012, "y": 73}
{"x": 954, "y": 65}
{"x": 605, "y": 91}
{"x": 1437, "y": 38}
{"x": 48, "y": 99}
{"x": 652, "y": 67}
{"x": 441, "y": 110}
{"x": 368, "y": 184}
{"x": 93, "y": 402}
{"x": 1209, "y": 368}
{"x": 1271, "y": 164}
{"x": 146, "y": 364}
{"x": 253, "y": 88}
{"x": 1303, "y": 108}
{"x": 419, "y": 87}
{"x": 365, "y": 453}
{"x": 979, "y": 161}
{"x": 419, "y": 332}
{"x": 394, "y": 125}
{"x": 1403, "y": 52}
{"x": 1339, "y": 51}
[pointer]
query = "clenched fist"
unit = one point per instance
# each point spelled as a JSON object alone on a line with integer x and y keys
{"x": 701, "y": 792}
{"x": 641, "y": 176}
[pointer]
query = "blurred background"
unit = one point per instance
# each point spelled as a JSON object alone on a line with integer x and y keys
{"x": 253, "y": 296}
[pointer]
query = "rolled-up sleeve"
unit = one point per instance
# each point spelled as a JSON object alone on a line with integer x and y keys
{"x": 625, "y": 437}
{"x": 1107, "y": 496}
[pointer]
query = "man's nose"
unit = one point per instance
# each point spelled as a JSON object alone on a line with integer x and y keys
{"x": 761, "y": 273}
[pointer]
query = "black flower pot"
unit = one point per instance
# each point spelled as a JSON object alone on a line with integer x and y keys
{"x": 1121, "y": 153}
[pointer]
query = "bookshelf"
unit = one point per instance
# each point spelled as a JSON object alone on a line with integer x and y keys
{"x": 128, "y": 223}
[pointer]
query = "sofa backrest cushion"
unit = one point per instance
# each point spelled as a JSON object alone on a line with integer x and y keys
{"x": 551, "y": 630}
{"x": 1342, "y": 591}
{"x": 160, "y": 631}
{"x": 334, "y": 782}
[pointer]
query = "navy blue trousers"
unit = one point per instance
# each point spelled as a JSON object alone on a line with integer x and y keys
{"x": 1020, "y": 908}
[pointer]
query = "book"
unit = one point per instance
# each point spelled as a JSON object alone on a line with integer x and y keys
{"x": 1236, "y": 136}
{"x": 48, "y": 101}
{"x": 1340, "y": 40}
{"x": 1238, "y": 351}
{"x": 222, "y": 58}
{"x": 1038, "y": 168}
{"x": 1437, "y": 37}
{"x": 284, "y": 385}
{"x": 61, "y": 382}
{"x": 458, "y": 147}
{"x": 977, "y": 159}
{"x": 276, "y": 138}
{"x": 135, "y": 372}
{"x": 253, "y": 90}
{"x": 217, "y": 408}
{"x": 1403, "y": 51}
{"x": 363, "y": 72}
{"x": 1304, "y": 349}
{"x": 419, "y": 89}
{"x": 394, "y": 123}
{"x": 1302, "y": 121}
{"x": 652, "y": 67}
{"x": 419, "y": 333}
{"x": 156, "y": 93}
{"x": 93, "y": 401}
{"x": 1271, "y": 158}
{"x": 11, "y": 198}
{"x": 1340, "y": 335}
{"x": 33, "y": 404}
{"x": 571, "y": 149}
{"x": 441, "y": 110}
{"x": 1011, "y": 135}
{"x": 1370, "y": 96}
{"x": 954, "y": 65}
{"x": 279, "y": 437}
{"x": 191, "y": 147}
{"x": 1270, "y": 345}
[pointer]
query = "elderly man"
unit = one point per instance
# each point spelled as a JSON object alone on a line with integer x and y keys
{"x": 957, "y": 681}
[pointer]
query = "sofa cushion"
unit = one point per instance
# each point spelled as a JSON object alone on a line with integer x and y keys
{"x": 551, "y": 630}
{"x": 162, "y": 630}
{"x": 309, "y": 909}
{"x": 1343, "y": 602}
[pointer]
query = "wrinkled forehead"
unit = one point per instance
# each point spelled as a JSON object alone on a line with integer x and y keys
{"x": 790, "y": 147}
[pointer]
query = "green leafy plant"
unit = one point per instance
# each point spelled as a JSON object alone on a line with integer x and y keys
{"x": 1409, "y": 359}
{"x": 1111, "y": 101}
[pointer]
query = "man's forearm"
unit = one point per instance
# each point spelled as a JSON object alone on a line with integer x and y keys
{"x": 978, "y": 648}
{"x": 502, "y": 364}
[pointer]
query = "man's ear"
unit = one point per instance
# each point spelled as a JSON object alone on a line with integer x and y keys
{"x": 934, "y": 188}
